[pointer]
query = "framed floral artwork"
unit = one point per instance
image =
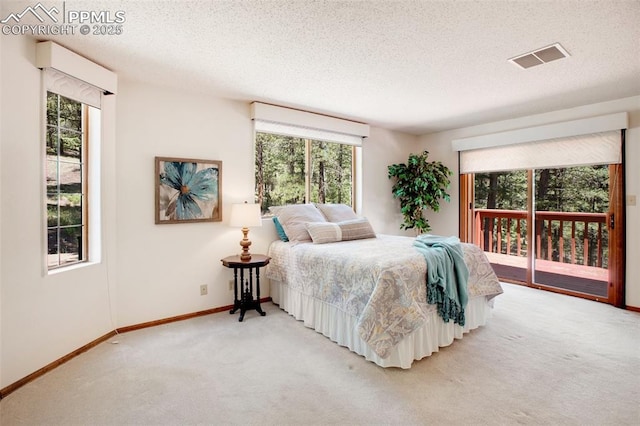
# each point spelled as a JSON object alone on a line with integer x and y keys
{"x": 188, "y": 190}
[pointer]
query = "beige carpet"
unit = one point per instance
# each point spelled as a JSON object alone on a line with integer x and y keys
{"x": 543, "y": 359}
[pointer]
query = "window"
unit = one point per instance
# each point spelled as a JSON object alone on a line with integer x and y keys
{"x": 303, "y": 157}
{"x": 293, "y": 170}
{"x": 66, "y": 180}
{"x": 74, "y": 97}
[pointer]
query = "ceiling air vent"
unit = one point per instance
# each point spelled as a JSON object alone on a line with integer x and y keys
{"x": 540, "y": 56}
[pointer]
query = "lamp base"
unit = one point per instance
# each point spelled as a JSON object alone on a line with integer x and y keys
{"x": 245, "y": 243}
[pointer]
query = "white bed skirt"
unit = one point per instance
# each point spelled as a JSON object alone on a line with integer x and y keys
{"x": 342, "y": 328}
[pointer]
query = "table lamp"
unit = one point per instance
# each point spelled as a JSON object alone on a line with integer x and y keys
{"x": 245, "y": 215}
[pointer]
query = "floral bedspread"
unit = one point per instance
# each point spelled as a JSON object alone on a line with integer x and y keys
{"x": 379, "y": 281}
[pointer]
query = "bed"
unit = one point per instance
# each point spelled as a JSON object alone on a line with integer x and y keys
{"x": 369, "y": 294}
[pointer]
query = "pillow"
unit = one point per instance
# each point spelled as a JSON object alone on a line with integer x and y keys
{"x": 329, "y": 232}
{"x": 293, "y": 218}
{"x": 337, "y": 212}
{"x": 356, "y": 229}
{"x": 279, "y": 230}
{"x": 324, "y": 232}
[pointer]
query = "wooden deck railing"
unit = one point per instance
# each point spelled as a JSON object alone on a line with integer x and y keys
{"x": 565, "y": 237}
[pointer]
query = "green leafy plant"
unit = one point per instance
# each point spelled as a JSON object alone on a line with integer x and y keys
{"x": 419, "y": 184}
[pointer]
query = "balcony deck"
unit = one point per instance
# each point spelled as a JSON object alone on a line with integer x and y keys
{"x": 569, "y": 248}
{"x": 583, "y": 279}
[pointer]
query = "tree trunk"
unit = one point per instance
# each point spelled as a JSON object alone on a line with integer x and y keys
{"x": 339, "y": 178}
{"x": 491, "y": 204}
{"x": 292, "y": 158}
{"x": 259, "y": 172}
{"x": 322, "y": 190}
{"x": 543, "y": 184}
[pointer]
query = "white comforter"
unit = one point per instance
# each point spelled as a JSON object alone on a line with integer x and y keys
{"x": 379, "y": 281}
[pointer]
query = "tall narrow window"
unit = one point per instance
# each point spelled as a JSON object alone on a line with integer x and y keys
{"x": 66, "y": 165}
{"x": 73, "y": 93}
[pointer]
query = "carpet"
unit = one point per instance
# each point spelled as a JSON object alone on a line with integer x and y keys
{"x": 543, "y": 359}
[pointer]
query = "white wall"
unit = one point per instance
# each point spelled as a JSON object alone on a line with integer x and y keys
{"x": 439, "y": 145}
{"x": 161, "y": 267}
{"x": 380, "y": 150}
{"x": 42, "y": 317}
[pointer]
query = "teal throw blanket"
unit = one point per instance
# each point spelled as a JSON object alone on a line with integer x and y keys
{"x": 447, "y": 275}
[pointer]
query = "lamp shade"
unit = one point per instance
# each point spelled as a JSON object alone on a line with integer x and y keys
{"x": 245, "y": 215}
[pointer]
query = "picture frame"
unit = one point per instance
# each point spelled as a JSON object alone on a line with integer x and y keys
{"x": 187, "y": 190}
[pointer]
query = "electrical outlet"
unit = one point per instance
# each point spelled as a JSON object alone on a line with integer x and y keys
{"x": 231, "y": 283}
{"x": 204, "y": 289}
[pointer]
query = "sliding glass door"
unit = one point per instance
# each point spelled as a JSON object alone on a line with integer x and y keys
{"x": 500, "y": 222}
{"x": 559, "y": 227}
{"x": 571, "y": 229}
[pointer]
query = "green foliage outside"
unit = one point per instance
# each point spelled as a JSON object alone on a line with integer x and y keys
{"x": 331, "y": 172}
{"x": 501, "y": 190}
{"x": 281, "y": 167}
{"x": 64, "y": 215}
{"x": 64, "y": 126}
{"x": 64, "y": 179}
{"x": 574, "y": 189}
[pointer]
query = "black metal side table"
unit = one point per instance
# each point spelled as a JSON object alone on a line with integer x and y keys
{"x": 246, "y": 301}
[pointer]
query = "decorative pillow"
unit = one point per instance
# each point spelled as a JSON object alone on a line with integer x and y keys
{"x": 329, "y": 232}
{"x": 279, "y": 230}
{"x": 356, "y": 229}
{"x": 293, "y": 218}
{"x": 337, "y": 212}
{"x": 324, "y": 232}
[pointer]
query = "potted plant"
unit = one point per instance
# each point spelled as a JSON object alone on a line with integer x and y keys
{"x": 419, "y": 184}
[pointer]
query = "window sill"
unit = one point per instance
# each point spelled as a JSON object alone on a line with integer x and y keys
{"x": 63, "y": 269}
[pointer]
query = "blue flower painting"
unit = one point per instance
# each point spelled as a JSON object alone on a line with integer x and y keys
{"x": 187, "y": 190}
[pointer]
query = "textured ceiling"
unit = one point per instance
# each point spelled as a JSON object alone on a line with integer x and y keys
{"x": 413, "y": 66}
